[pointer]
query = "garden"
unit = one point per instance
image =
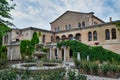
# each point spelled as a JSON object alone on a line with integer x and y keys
{"x": 101, "y": 62}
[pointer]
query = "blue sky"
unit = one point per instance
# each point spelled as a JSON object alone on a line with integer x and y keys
{"x": 39, "y": 13}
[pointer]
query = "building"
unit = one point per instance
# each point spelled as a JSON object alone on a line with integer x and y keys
{"x": 85, "y": 27}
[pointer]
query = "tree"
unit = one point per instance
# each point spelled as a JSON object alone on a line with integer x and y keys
{"x": 35, "y": 39}
{"x": 5, "y": 9}
{"x": 26, "y": 48}
{"x": 117, "y": 24}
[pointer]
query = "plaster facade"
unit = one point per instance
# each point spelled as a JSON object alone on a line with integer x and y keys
{"x": 69, "y": 26}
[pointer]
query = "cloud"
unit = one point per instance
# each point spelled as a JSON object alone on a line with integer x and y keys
{"x": 39, "y": 13}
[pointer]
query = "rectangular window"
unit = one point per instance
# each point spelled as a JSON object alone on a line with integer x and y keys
{"x": 69, "y": 26}
{"x": 66, "y": 27}
{"x": 83, "y": 23}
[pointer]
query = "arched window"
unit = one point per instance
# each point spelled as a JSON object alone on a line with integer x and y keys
{"x": 95, "y": 35}
{"x": 107, "y": 34}
{"x": 79, "y": 24}
{"x": 51, "y": 38}
{"x": 57, "y": 38}
{"x": 78, "y": 36}
{"x": 70, "y": 37}
{"x": 113, "y": 33}
{"x": 43, "y": 38}
{"x": 63, "y": 37}
{"x": 89, "y": 36}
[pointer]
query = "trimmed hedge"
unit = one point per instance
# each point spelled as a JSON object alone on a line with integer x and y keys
{"x": 95, "y": 53}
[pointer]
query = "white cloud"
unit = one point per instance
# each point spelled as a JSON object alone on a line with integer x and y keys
{"x": 39, "y": 13}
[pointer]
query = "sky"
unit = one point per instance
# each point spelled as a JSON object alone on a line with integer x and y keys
{"x": 39, "y": 13}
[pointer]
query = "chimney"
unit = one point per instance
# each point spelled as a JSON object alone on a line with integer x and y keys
{"x": 110, "y": 19}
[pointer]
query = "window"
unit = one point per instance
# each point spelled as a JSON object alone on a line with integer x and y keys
{"x": 17, "y": 39}
{"x": 113, "y": 33}
{"x": 57, "y": 38}
{"x": 63, "y": 37}
{"x": 78, "y": 36}
{"x": 17, "y": 32}
{"x": 89, "y": 36}
{"x": 70, "y": 37}
{"x": 95, "y": 22}
{"x": 107, "y": 34}
{"x": 79, "y": 24}
{"x": 95, "y": 35}
{"x": 69, "y": 27}
{"x": 43, "y": 38}
{"x": 58, "y": 29}
{"x": 51, "y": 38}
{"x": 6, "y": 39}
{"x": 55, "y": 29}
{"x": 83, "y": 23}
{"x": 66, "y": 27}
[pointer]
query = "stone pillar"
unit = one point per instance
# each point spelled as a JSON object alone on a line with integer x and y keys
{"x": 78, "y": 56}
{"x": 64, "y": 54}
{"x": 57, "y": 53}
{"x": 50, "y": 53}
{"x": 11, "y": 51}
{"x": 87, "y": 58}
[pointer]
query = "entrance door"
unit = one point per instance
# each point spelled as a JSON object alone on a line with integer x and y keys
{"x": 62, "y": 54}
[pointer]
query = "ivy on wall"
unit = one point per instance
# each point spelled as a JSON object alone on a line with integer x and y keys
{"x": 95, "y": 53}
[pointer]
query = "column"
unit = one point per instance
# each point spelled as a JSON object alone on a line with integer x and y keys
{"x": 11, "y": 54}
{"x": 57, "y": 53}
{"x": 64, "y": 54}
{"x": 87, "y": 57}
{"x": 78, "y": 56}
{"x": 50, "y": 53}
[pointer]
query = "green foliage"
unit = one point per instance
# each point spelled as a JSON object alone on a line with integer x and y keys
{"x": 117, "y": 25}
{"x": 46, "y": 75}
{"x": 94, "y": 68}
{"x": 95, "y": 53}
{"x": 3, "y": 52}
{"x": 44, "y": 49}
{"x": 72, "y": 76}
{"x": 8, "y": 75}
{"x": 5, "y": 8}
{"x": 3, "y": 56}
{"x": 26, "y": 48}
{"x": 35, "y": 39}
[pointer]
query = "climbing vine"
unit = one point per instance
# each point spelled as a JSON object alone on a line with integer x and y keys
{"x": 95, "y": 53}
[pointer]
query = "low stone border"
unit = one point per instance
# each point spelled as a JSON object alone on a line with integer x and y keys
{"x": 20, "y": 67}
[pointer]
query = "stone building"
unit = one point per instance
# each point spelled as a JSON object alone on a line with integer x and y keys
{"x": 85, "y": 27}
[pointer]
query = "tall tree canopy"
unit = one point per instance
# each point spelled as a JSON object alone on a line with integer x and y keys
{"x": 5, "y": 9}
{"x": 35, "y": 39}
{"x": 117, "y": 25}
